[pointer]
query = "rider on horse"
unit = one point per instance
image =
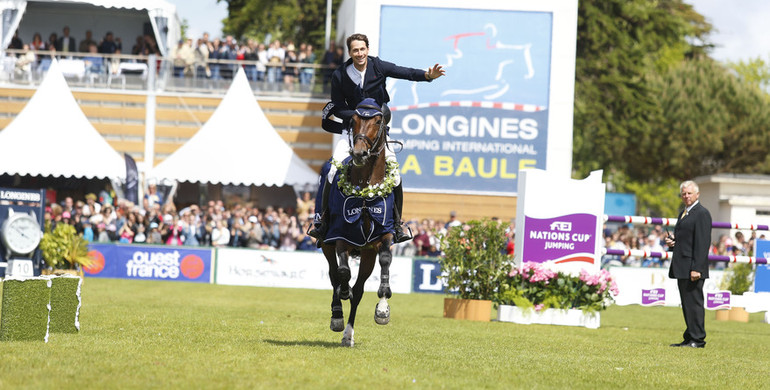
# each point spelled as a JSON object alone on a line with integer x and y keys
{"x": 361, "y": 77}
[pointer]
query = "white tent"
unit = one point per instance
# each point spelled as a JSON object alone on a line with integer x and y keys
{"x": 126, "y": 19}
{"x": 52, "y": 137}
{"x": 237, "y": 145}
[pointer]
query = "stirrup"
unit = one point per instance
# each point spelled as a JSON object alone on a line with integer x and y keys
{"x": 399, "y": 235}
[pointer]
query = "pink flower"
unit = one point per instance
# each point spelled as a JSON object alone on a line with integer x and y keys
{"x": 539, "y": 307}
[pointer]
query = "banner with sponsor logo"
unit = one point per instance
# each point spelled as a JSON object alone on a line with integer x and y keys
{"x": 762, "y": 272}
{"x": 559, "y": 220}
{"x": 652, "y": 286}
{"x": 718, "y": 300}
{"x": 427, "y": 274}
{"x": 147, "y": 262}
{"x": 248, "y": 267}
{"x": 505, "y": 103}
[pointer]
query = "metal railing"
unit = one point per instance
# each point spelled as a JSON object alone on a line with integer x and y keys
{"x": 129, "y": 72}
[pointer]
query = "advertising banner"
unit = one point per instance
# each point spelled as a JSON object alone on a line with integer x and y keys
{"x": 718, "y": 300}
{"x": 762, "y": 274}
{"x": 652, "y": 286}
{"x": 559, "y": 220}
{"x": 247, "y": 267}
{"x": 653, "y": 297}
{"x": 146, "y": 262}
{"x": 473, "y": 130}
{"x": 426, "y": 276}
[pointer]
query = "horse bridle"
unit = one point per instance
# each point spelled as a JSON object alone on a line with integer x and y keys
{"x": 371, "y": 144}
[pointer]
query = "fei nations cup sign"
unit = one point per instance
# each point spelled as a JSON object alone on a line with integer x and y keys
{"x": 559, "y": 220}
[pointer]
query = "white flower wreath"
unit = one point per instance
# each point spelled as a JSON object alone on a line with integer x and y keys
{"x": 370, "y": 191}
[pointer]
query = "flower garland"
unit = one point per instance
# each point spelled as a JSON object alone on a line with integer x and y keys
{"x": 370, "y": 191}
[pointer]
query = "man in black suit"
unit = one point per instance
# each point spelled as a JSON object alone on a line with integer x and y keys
{"x": 689, "y": 264}
{"x": 66, "y": 43}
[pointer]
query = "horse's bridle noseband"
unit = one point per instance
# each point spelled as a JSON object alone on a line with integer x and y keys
{"x": 371, "y": 144}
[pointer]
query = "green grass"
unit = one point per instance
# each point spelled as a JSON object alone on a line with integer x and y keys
{"x": 139, "y": 334}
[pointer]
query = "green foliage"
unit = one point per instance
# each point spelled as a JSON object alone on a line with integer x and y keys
{"x": 287, "y": 20}
{"x": 536, "y": 287}
{"x": 738, "y": 278}
{"x": 63, "y": 248}
{"x": 754, "y": 71}
{"x": 475, "y": 261}
{"x": 619, "y": 43}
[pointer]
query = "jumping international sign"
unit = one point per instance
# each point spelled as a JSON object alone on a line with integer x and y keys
{"x": 505, "y": 105}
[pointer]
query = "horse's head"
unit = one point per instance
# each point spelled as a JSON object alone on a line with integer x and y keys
{"x": 367, "y": 132}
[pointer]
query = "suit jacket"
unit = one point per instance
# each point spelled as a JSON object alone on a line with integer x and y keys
{"x": 692, "y": 236}
{"x": 60, "y": 44}
{"x": 346, "y": 94}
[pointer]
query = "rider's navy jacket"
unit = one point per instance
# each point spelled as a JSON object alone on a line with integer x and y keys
{"x": 346, "y": 94}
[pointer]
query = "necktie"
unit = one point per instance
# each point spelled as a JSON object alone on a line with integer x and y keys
{"x": 685, "y": 213}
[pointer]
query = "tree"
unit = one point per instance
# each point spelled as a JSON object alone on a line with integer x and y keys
{"x": 288, "y": 20}
{"x": 619, "y": 43}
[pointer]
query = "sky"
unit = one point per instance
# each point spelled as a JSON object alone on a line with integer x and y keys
{"x": 202, "y": 16}
{"x": 740, "y": 25}
{"x": 741, "y": 28}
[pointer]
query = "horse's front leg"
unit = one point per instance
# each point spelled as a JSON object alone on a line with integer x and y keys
{"x": 343, "y": 270}
{"x": 364, "y": 271}
{"x": 338, "y": 317}
{"x": 382, "y": 310}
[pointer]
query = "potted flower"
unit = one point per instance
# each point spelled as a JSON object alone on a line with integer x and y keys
{"x": 536, "y": 294}
{"x": 473, "y": 266}
{"x": 737, "y": 279}
{"x": 64, "y": 251}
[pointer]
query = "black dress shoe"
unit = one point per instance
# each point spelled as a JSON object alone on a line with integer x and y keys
{"x": 679, "y": 344}
{"x": 694, "y": 344}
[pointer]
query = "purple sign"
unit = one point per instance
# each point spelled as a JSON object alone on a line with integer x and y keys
{"x": 564, "y": 239}
{"x": 718, "y": 300}
{"x": 653, "y": 297}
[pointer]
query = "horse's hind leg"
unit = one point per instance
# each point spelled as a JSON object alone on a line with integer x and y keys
{"x": 338, "y": 318}
{"x": 343, "y": 271}
{"x": 382, "y": 310}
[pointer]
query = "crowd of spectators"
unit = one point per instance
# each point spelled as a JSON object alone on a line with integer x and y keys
{"x": 652, "y": 239}
{"x": 277, "y": 62}
{"x": 103, "y": 218}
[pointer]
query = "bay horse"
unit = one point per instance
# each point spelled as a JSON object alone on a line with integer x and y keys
{"x": 363, "y": 228}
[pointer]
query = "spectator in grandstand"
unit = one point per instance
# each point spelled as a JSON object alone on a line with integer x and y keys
{"x": 202, "y": 56}
{"x": 220, "y": 234}
{"x": 331, "y": 61}
{"x": 152, "y": 197}
{"x": 66, "y": 44}
{"x": 94, "y": 62}
{"x": 261, "y": 62}
{"x": 275, "y": 56}
{"x": 37, "y": 42}
{"x": 85, "y": 44}
{"x": 183, "y": 57}
{"x": 91, "y": 207}
{"x": 52, "y": 41}
{"x": 214, "y": 50}
{"x": 289, "y": 232}
{"x": 272, "y": 236}
{"x": 689, "y": 264}
{"x": 16, "y": 42}
{"x": 289, "y": 70}
{"x": 248, "y": 52}
{"x": 190, "y": 230}
{"x": 306, "y": 56}
{"x": 23, "y": 65}
{"x": 109, "y": 44}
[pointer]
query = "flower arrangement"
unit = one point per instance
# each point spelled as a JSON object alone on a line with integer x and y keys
{"x": 537, "y": 287}
{"x": 370, "y": 191}
{"x": 474, "y": 262}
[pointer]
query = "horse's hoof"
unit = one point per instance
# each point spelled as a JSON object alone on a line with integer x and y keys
{"x": 337, "y": 324}
{"x": 382, "y": 312}
{"x": 347, "y": 337}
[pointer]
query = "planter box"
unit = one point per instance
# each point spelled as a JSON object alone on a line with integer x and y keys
{"x": 467, "y": 309}
{"x": 571, "y": 317}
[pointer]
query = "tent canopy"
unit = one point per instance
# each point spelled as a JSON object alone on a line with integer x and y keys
{"x": 126, "y": 19}
{"x": 237, "y": 145}
{"x": 51, "y": 136}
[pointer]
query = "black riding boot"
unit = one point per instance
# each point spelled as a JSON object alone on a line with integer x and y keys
{"x": 321, "y": 224}
{"x": 399, "y": 235}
